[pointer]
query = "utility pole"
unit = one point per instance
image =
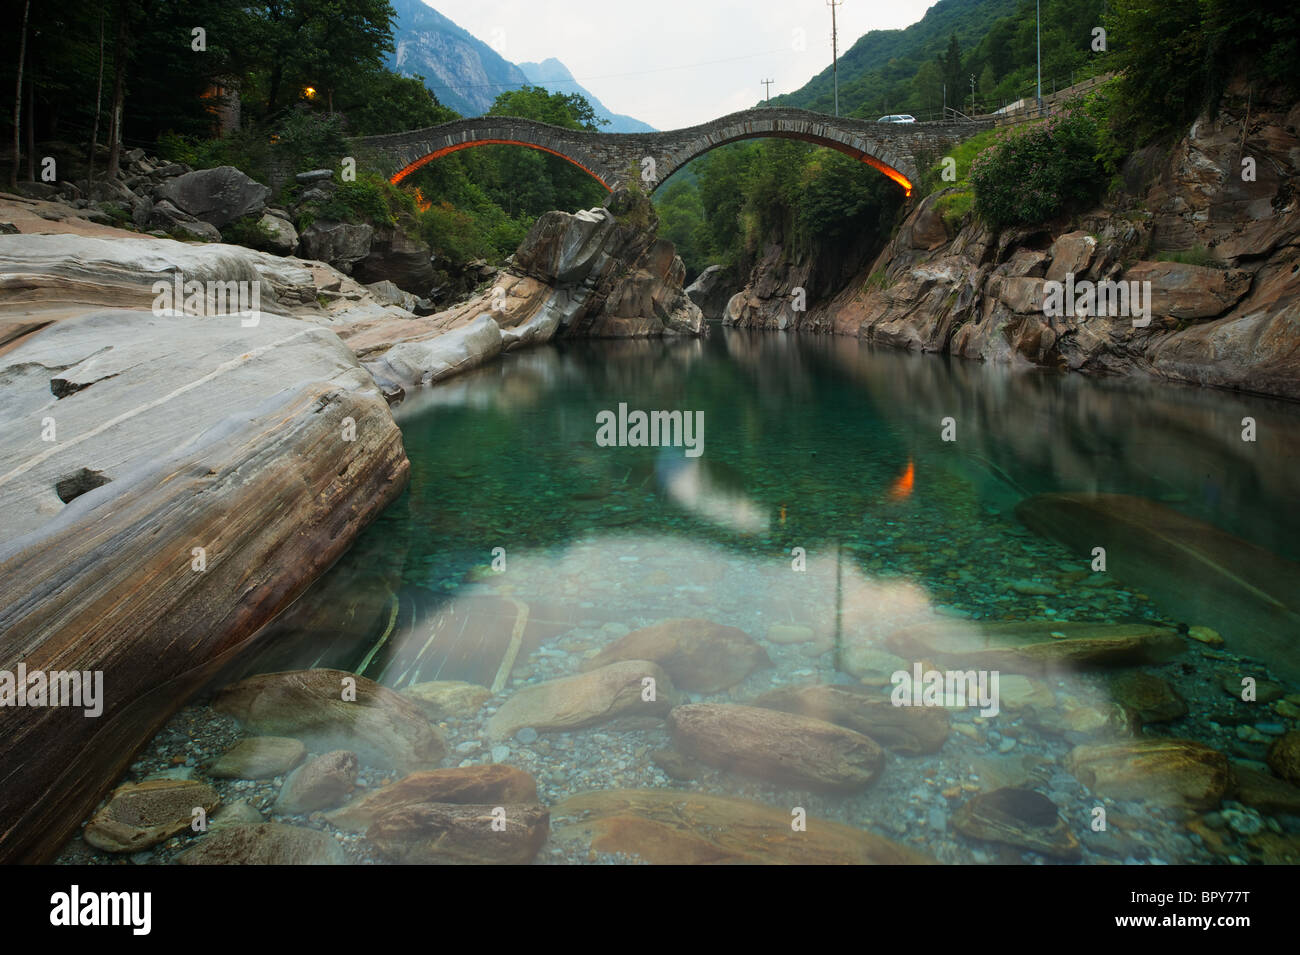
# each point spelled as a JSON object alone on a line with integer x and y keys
{"x": 1038, "y": 5}
{"x": 972, "y": 94}
{"x": 835, "y": 51}
{"x": 768, "y": 84}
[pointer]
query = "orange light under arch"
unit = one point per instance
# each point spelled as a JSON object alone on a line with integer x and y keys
{"x": 448, "y": 150}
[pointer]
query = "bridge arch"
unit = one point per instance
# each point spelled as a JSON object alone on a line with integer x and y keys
{"x": 613, "y": 157}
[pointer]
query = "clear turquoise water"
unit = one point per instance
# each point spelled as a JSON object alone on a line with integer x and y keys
{"x": 807, "y": 444}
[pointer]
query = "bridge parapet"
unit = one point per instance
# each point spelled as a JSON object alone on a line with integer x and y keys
{"x": 613, "y": 157}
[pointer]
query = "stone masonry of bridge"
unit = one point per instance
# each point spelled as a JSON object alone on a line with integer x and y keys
{"x": 614, "y": 157}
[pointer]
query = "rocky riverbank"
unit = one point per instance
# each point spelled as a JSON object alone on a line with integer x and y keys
{"x": 180, "y": 468}
{"x": 1218, "y": 247}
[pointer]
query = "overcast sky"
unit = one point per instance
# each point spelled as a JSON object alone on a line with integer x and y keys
{"x": 659, "y": 60}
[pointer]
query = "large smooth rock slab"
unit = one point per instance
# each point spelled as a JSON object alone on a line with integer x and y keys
{"x": 200, "y": 478}
{"x": 1211, "y": 578}
{"x": 572, "y": 702}
{"x": 218, "y": 196}
{"x": 1161, "y": 771}
{"x": 666, "y": 827}
{"x": 140, "y": 815}
{"x": 781, "y": 747}
{"x": 491, "y": 783}
{"x": 906, "y": 730}
{"x": 266, "y": 843}
{"x": 447, "y": 833}
{"x": 381, "y": 726}
{"x": 1029, "y": 646}
{"x": 426, "y": 361}
{"x": 700, "y": 655}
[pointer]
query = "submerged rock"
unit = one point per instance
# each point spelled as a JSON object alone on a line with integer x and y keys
{"x": 140, "y": 815}
{"x": 266, "y": 843}
{"x": 1284, "y": 756}
{"x": 258, "y": 757}
{"x": 1161, "y": 771}
{"x": 490, "y": 783}
{"x": 1245, "y": 592}
{"x": 1018, "y": 817}
{"x": 665, "y": 827}
{"x": 382, "y": 727}
{"x": 443, "y": 699}
{"x": 442, "y": 833}
{"x": 780, "y": 747}
{"x": 907, "y": 730}
{"x": 321, "y": 783}
{"x": 1037, "y": 647}
{"x": 607, "y": 692}
{"x": 701, "y": 656}
{"x": 1152, "y": 698}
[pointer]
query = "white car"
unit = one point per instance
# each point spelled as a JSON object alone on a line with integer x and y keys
{"x": 897, "y": 118}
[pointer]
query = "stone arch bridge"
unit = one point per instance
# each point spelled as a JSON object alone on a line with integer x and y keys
{"x": 891, "y": 148}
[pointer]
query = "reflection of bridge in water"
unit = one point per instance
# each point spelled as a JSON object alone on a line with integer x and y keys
{"x": 610, "y": 158}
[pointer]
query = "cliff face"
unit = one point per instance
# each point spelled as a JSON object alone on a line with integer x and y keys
{"x": 1232, "y": 320}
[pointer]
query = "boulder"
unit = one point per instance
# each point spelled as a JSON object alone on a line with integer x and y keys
{"x": 1264, "y": 792}
{"x": 381, "y": 726}
{"x": 341, "y": 244}
{"x": 283, "y": 237}
{"x": 165, "y": 216}
{"x": 1176, "y": 772}
{"x": 258, "y": 757}
{"x": 784, "y": 748}
{"x": 489, "y": 783}
{"x": 314, "y": 175}
{"x": 217, "y": 196}
{"x": 140, "y": 815}
{"x": 398, "y": 257}
{"x": 713, "y": 289}
{"x": 443, "y": 833}
{"x": 321, "y": 783}
{"x": 1190, "y": 292}
{"x": 267, "y": 843}
{"x": 701, "y": 656}
{"x": 906, "y": 730}
{"x": 665, "y": 827}
{"x": 597, "y": 696}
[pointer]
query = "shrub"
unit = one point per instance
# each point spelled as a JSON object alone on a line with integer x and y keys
{"x": 1034, "y": 174}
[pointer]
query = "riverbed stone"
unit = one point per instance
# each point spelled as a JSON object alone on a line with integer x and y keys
{"x": 1018, "y": 817}
{"x": 266, "y": 843}
{"x": 448, "y": 833}
{"x": 490, "y": 783}
{"x": 605, "y": 693}
{"x": 384, "y": 728}
{"x": 701, "y": 656}
{"x": 217, "y": 196}
{"x": 1153, "y": 698}
{"x": 1284, "y": 756}
{"x": 1162, "y": 771}
{"x": 258, "y": 757}
{"x": 906, "y": 730}
{"x": 140, "y": 815}
{"x": 776, "y": 746}
{"x": 667, "y": 827}
{"x": 322, "y": 782}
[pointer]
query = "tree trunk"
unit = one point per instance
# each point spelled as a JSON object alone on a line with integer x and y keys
{"x": 31, "y": 129}
{"x": 99, "y": 100}
{"x": 119, "y": 94}
{"x": 18, "y": 99}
